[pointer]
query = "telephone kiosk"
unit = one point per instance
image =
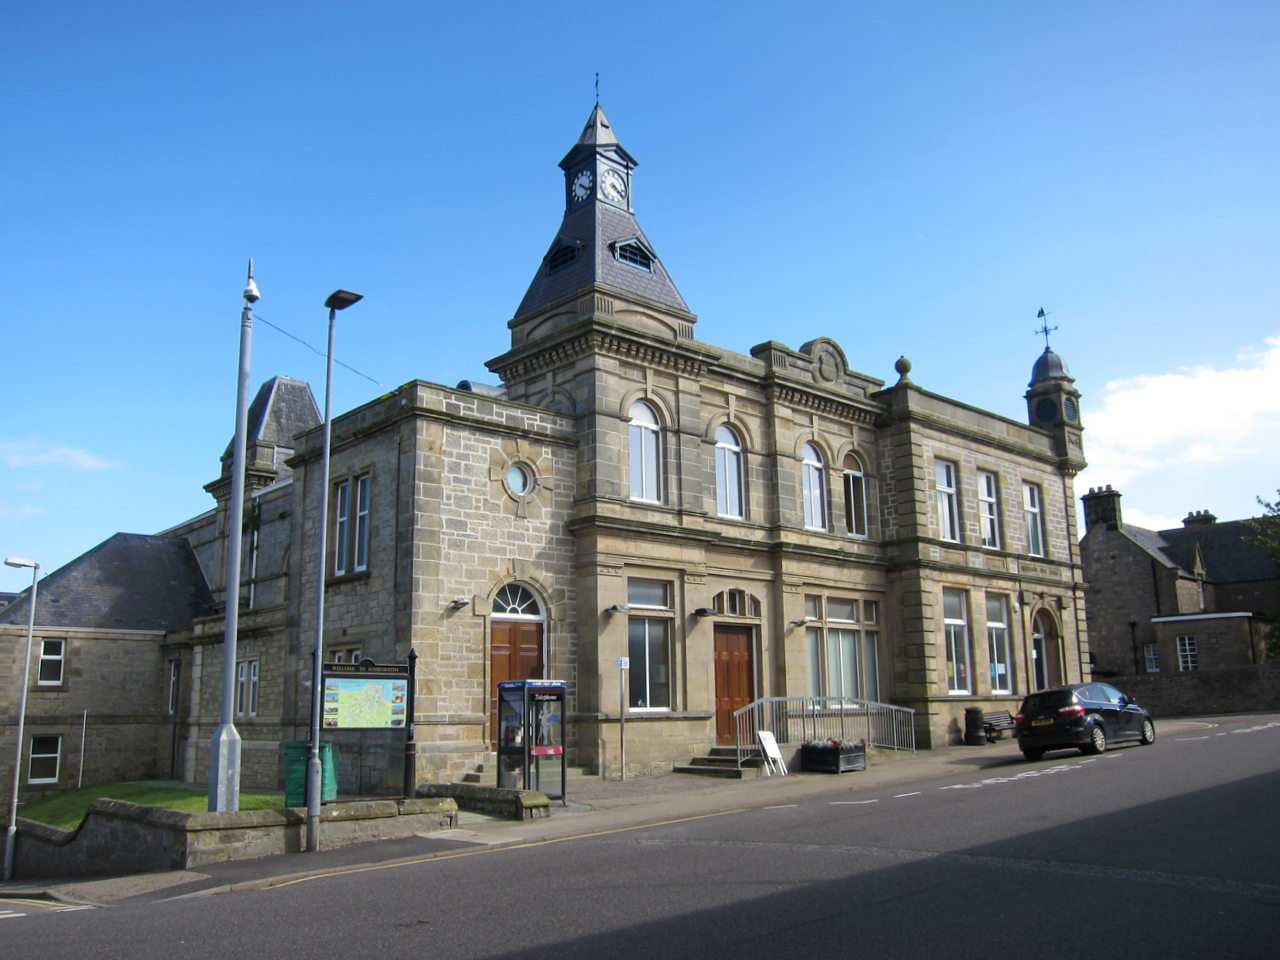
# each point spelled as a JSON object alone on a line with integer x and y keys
{"x": 531, "y": 736}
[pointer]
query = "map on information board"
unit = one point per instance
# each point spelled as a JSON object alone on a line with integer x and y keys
{"x": 366, "y": 702}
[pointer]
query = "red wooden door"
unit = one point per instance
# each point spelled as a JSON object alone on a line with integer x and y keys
{"x": 516, "y": 654}
{"x": 734, "y": 677}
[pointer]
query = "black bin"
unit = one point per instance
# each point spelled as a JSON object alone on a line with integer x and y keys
{"x": 975, "y": 734}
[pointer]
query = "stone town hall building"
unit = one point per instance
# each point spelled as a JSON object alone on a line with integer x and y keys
{"x": 740, "y": 526}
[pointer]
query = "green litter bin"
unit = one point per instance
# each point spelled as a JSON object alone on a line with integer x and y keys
{"x": 296, "y": 755}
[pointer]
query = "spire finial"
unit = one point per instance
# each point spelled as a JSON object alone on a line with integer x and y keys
{"x": 1045, "y": 329}
{"x": 597, "y": 88}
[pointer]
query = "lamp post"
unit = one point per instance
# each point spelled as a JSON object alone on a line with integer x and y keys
{"x": 224, "y": 748}
{"x": 10, "y": 837}
{"x": 338, "y": 300}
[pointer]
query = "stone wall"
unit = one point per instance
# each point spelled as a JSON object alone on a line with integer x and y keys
{"x": 1206, "y": 692}
{"x": 117, "y": 837}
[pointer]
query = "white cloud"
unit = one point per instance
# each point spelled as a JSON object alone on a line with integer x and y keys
{"x": 1150, "y": 521}
{"x": 1194, "y": 439}
{"x": 27, "y": 453}
{"x": 8, "y": 512}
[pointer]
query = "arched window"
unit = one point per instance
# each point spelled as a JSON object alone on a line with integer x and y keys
{"x": 646, "y": 454}
{"x": 728, "y": 473}
{"x": 855, "y": 497}
{"x": 813, "y": 483}
{"x": 514, "y": 600}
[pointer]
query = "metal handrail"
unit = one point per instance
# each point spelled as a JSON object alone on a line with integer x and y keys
{"x": 797, "y": 719}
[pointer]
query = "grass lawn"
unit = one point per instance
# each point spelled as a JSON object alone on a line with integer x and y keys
{"x": 67, "y": 809}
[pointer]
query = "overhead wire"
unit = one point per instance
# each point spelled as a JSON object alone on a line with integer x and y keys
{"x": 258, "y": 316}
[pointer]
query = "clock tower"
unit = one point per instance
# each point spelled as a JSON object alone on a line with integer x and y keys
{"x": 598, "y": 168}
{"x": 600, "y": 263}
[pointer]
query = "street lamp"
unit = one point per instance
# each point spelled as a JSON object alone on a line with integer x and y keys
{"x": 338, "y": 300}
{"x": 224, "y": 748}
{"x": 10, "y": 837}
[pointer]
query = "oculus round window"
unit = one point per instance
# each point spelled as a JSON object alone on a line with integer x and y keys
{"x": 518, "y": 480}
{"x": 1046, "y": 410}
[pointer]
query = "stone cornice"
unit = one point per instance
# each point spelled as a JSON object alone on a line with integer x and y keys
{"x": 601, "y": 336}
{"x": 808, "y": 399}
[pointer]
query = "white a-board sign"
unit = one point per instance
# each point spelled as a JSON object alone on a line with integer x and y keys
{"x": 772, "y": 755}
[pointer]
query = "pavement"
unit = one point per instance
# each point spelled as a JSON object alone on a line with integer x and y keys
{"x": 594, "y": 807}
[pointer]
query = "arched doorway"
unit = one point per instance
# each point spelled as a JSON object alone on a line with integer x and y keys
{"x": 515, "y": 648}
{"x": 1045, "y": 659}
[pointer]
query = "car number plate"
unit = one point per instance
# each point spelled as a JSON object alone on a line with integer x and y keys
{"x": 1042, "y": 723}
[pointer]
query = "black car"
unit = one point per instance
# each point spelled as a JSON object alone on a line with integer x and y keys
{"x": 1087, "y": 716}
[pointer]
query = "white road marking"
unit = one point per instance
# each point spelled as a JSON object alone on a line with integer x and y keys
{"x": 899, "y": 796}
{"x": 845, "y": 803}
{"x": 782, "y": 806}
{"x": 1090, "y": 760}
{"x": 6, "y": 914}
{"x": 1261, "y": 726}
{"x": 1025, "y": 775}
{"x": 1185, "y": 739}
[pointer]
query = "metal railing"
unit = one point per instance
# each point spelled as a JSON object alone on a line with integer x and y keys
{"x": 793, "y": 720}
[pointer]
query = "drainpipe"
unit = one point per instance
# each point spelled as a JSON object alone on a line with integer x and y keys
{"x": 1133, "y": 632}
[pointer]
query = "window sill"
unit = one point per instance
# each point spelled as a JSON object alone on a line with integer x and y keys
{"x": 49, "y": 687}
{"x": 347, "y": 577}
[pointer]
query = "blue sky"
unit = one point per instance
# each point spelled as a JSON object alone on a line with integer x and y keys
{"x": 907, "y": 178}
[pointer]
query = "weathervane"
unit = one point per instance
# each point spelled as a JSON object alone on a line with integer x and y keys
{"x": 1045, "y": 329}
{"x": 597, "y": 88}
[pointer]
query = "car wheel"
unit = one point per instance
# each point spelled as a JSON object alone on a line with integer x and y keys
{"x": 1148, "y": 733}
{"x": 1097, "y": 739}
{"x": 1033, "y": 755}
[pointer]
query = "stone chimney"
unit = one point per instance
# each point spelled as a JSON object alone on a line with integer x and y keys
{"x": 1102, "y": 507}
{"x": 1199, "y": 518}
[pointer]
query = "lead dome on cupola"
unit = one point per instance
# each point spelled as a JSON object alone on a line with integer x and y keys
{"x": 1049, "y": 366}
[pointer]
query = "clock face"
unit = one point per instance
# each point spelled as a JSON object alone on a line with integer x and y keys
{"x": 582, "y": 185}
{"x": 613, "y": 186}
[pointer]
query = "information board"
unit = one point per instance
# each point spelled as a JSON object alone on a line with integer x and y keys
{"x": 364, "y": 702}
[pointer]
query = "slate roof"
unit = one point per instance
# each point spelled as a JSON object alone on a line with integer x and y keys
{"x": 597, "y": 226}
{"x": 1149, "y": 541}
{"x": 1228, "y": 557}
{"x": 283, "y": 408}
{"x": 131, "y": 581}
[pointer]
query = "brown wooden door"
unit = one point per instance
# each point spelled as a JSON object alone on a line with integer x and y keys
{"x": 734, "y": 677}
{"x": 516, "y": 655}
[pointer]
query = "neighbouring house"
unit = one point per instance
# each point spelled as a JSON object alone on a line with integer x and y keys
{"x": 101, "y": 701}
{"x": 772, "y": 523}
{"x": 1199, "y": 596}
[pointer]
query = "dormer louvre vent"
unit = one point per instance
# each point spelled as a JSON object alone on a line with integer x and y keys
{"x": 634, "y": 253}
{"x": 563, "y": 255}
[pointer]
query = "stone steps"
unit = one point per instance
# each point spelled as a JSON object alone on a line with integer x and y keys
{"x": 722, "y": 762}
